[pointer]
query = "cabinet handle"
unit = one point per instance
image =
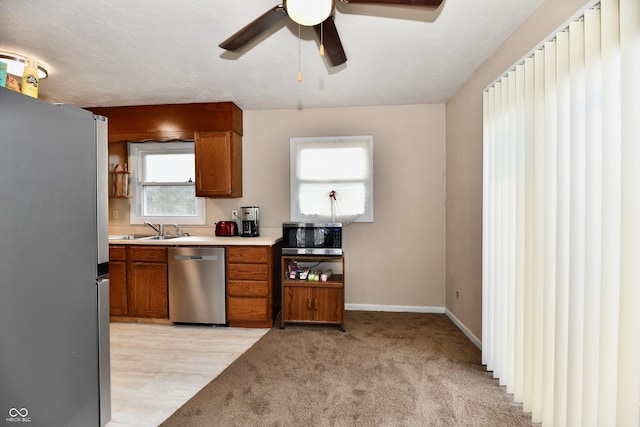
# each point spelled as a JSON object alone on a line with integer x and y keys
{"x": 309, "y": 304}
{"x": 315, "y": 304}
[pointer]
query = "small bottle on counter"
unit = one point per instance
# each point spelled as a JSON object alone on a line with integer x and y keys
{"x": 3, "y": 74}
{"x": 30, "y": 78}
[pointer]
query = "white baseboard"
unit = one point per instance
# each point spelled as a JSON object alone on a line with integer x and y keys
{"x": 464, "y": 329}
{"x": 394, "y": 308}
{"x": 417, "y": 309}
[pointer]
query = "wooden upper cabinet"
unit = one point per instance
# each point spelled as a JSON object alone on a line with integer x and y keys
{"x": 215, "y": 127}
{"x": 218, "y": 164}
{"x": 167, "y": 122}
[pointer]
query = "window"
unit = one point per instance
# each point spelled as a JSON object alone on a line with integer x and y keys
{"x": 163, "y": 186}
{"x": 332, "y": 179}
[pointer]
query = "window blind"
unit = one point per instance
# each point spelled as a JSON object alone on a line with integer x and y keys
{"x": 561, "y": 223}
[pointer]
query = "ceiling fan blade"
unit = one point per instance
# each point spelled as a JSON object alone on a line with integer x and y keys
{"x": 419, "y": 3}
{"x": 258, "y": 26}
{"x": 331, "y": 40}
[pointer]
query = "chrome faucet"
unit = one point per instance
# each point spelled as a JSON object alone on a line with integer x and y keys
{"x": 159, "y": 229}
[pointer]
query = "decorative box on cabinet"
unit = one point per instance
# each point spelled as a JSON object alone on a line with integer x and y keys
{"x": 251, "y": 274}
{"x": 311, "y": 301}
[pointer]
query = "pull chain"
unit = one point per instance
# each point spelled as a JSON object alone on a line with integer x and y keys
{"x": 299, "y": 60}
{"x": 321, "y": 32}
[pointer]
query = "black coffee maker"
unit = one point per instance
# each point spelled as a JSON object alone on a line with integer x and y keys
{"x": 250, "y": 216}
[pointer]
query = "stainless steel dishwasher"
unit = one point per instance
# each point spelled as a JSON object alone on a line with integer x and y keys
{"x": 197, "y": 290}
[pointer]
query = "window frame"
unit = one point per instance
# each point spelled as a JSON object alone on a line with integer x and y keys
{"x": 298, "y": 144}
{"x": 137, "y": 153}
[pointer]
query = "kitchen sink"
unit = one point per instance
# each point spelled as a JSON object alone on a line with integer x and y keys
{"x": 142, "y": 237}
{"x": 166, "y": 237}
{"x": 129, "y": 236}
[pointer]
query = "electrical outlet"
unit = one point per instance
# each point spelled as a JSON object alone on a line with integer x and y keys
{"x": 234, "y": 214}
{"x": 114, "y": 214}
{"x": 457, "y": 295}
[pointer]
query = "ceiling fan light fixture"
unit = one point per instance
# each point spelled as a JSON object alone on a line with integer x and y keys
{"x": 15, "y": 64}
{"x": 309, "y": 12}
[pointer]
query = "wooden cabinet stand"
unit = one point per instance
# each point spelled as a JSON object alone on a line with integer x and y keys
{"x": 313, "y": 301}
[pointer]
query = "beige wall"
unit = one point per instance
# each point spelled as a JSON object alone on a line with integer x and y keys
{"x": 464, "y": 163}
{"x": 399, "y": 259}
{"x": 388, "y": 262}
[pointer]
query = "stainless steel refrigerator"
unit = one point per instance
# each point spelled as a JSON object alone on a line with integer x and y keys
{"x": 54, "y": 288}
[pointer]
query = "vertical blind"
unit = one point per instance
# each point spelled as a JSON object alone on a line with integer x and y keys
{"x": 561, "y": 223}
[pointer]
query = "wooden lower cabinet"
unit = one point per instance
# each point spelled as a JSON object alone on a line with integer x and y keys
{"x": 147, "y": 282}
{"x": 310, "y": 304}
{"x": 314, "y": 302}
{"x": 118, "y": 280}
{"x": 253, "y": 299}
{"x": 139, "y": 284}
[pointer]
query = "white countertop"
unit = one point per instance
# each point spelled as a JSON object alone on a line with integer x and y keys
{"x": 262, "y": 240}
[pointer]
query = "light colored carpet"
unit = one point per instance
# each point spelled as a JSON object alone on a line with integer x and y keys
{"x": 387, "y": 369}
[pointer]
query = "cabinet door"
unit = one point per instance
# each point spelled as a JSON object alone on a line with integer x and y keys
{"x": 248, "y": 255}
{"x": 148, "y": 253}
{"x": 248, "y": 272}
{"x": 118, "y": 288}
{"x": 148, "y": 290}
{"x": 328, "y": 304}
{"x": 247, "y": 309}
{"x": 248, "y": 288}
{"x": 297, "y": 304}
{"x": 218, "y": 164}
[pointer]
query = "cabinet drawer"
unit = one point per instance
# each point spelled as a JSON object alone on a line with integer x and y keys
{"x": 117, "y": 253}
{"x": 247, "y": 272}
{"x": 147, "y": 253}
{"x": 239, "y": 288}
{"x": 247, "y": 309}
{"x": 250, "y": 255}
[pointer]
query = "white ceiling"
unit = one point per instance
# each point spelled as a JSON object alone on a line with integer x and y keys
{"x": 122, "y": 52}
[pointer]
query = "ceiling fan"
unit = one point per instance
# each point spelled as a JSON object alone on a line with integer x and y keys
{"x": 316, "y": 14}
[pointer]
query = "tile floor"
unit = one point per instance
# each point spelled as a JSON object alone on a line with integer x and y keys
{"x": 156, "y": 368}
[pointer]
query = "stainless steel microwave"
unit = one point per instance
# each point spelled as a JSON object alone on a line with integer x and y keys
{"x": 312, "y": 238}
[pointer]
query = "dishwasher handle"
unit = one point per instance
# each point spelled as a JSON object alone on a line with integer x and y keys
{"x": 195, "y": 257}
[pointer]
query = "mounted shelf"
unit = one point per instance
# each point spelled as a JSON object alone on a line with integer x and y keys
{"x": 120, "y": 183}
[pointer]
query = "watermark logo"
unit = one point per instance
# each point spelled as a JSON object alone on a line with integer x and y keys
{"x": 18, "y": 415}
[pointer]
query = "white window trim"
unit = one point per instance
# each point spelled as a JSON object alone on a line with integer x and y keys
{"x": 296, "y": 143}
{"x": 136, "y": 151}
